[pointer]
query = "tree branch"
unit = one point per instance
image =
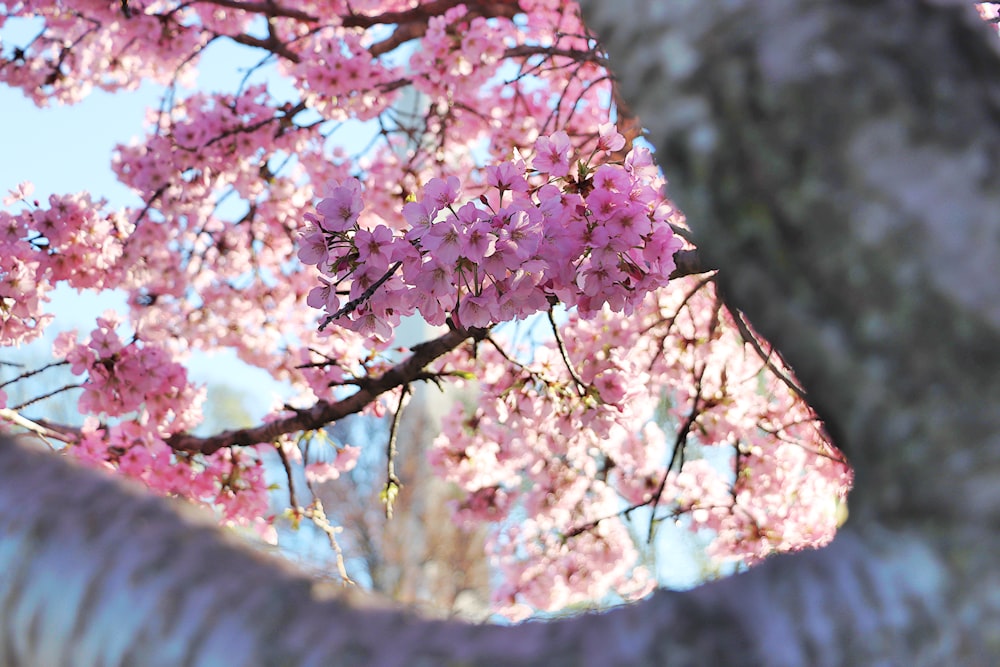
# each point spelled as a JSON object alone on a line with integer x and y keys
{"x": 271, "y": 9}
{"x": 424, "y": 11}
{"x": 326, "y": 412}
{"x": 98, "y": 570}
{"x": 688, "y": 263}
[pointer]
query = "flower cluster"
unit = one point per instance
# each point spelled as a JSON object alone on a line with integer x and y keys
{"x": 125, "y": 377}
{"x": 341, "y": 76}
{"x": 90, "y": 47}
{"x": 146, "y": 397}
{"x": 232, "y": 482}
{"x": 599, "y": 237}
{"x": 453, "y": 59}
{"x": 70, "y": 241}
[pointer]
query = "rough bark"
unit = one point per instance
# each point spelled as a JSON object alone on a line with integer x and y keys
{"x": 836, "y": 161}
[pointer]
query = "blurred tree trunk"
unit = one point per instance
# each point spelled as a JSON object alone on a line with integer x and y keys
{"x": 839, "y": 161}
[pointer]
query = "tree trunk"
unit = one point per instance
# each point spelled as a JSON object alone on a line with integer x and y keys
{"x": 837, "y": 160}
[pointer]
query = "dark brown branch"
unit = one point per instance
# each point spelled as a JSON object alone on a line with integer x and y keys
{"x": 629, "y": 125}
{"x": 751, "y": 338}
{"x": 351, "y": 305}
{"x": 28, "y": 374}
{"x": 399, "y": 36}
{"x": 688, "y": 263}
{"x": 412, "y": 23}
{"x": 580, "y": 384}
{"x": 422, "y": 12}
{"x": 326, "y": 412}
{"x": 46, "y": 395}
{"x": 293, "y": 502}
{"x": 576, "y": 55}
{"x": 271, "y": 9}
{"x": 268, "y": 44}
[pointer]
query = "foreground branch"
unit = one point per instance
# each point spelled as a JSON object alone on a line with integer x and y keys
{"x": 97, "y": 573}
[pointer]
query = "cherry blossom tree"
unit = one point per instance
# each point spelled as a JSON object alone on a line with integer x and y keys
{"x": 559, "y": 219}
{"x": 823, "y": 146}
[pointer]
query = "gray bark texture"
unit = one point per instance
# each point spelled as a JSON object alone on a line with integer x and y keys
{"x": 838, "y": 161}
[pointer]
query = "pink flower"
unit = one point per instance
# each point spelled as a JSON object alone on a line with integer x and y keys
{"x": 347, "y": 458}
{"x": 612, "y": 177}
{"x": 317, "y": 473}
{"x": 323, "y": 297}
{"x": 312, "y": 248}
{"x": 609, "y": 139}
{"x": 610, "y": 385}
{"x": 435, "y": 278}
{"x": 444, "y": 241}
{"x": 370, "y": 324}
{"x": 521, "y": 236}
{"x": 104, "y": 343}
{"x": 20, "y": 193}
{"x": 420, "y": 215}
{"x": 473, "y": 311}
{"x": 340, "y": 210}
{"x": 552, "y": 154}
{"x": 442, "y": 193}
{"x": 506, "y": 176}
{"x": 374, "y": 247}
{"x": 479, "y": 241}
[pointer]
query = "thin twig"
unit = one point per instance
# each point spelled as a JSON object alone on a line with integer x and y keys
{"x": 392, "y": 483}
{"x": 28, "y": 374}
{"x": 44, "y": 396}
{"x": 288, "y": 473}
{"x": 680, "y": 444}
{"x": 317, "y": 515}
{"x": 581, "y": 386}
{"x": 354, "y": 303}
{"x": 750, "y": 338}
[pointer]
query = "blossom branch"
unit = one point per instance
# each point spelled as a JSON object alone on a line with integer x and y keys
{"x": 576, "y": 55}
{"x": 767, "y": 357}
{"x": 351, "y": 305}
{"x": 270, "y": 9}
{"x": 420, "y": 13}
{"x": 286, "y": 464}
{"x": 325, "y": 412}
